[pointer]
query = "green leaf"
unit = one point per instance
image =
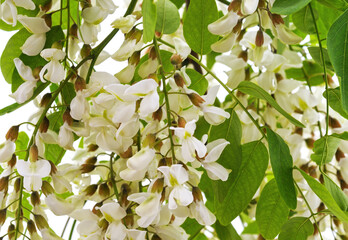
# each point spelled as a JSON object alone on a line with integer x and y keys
{"x": 315, "y": 53}
{"x": 246, "y": 182}
{"x": 337, "y": 42}
{"x": 192, "y": 227}
{"x": 251, "y": 228}
{"x": 168, "y": 18}
{"x": 178, "y": 3}
{"x": 54, "y": 153}
{"x": 335, "y": 101}
{"x": 325, "y": 196}
{"x": 286, "y": 7}
{"x": 74, "y": 9}
{"x": 199, "y": 15}
{"x": 56, "y": 120}
{"x": 297, "y": 228}
{"x": 12, "y": 51}
{"x": 303, "y": 20}
{"x": 22, "y": 144}
{"x": 327, "y": 16}
{"x": 311, "y": 72}
{"x": 226, "y": 232}
{"x": 337, "y": 4}
{"x": 15, "y": 106}
{"x": 282, "y": 164}
{"x": 324, "y": 149}
{"x": 68, "y": 93}
{"x": 254, "y": 90}
{"x": 211, "y": 59}
{"x": 149, "y": 20}
{"x": 198, "y": 82}
{"x": 271, "y": 211}
{"x": 336, "y": 192}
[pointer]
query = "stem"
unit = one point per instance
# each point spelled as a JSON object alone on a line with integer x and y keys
{"x": 67, "y": 32}
{"x": 98, "y": 49}
{"x": 225, "y": 2}
{"x": 112, "y": 176}
{"x": 169, "y": 118}
{"x": 310, "y": 209}
{"x": 72, "y": 230}
{"x": 65, "y": 226}
{"x": 324, "y": 68}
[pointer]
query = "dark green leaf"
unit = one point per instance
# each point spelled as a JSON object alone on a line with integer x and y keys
{"x": 336, "y": 192}
{"x": 315, "y": 53}
{"x": 303, "y": 20}
{"x": 297, "y": 228}
{"x": 168, "y": 18}
{"x": 337, "y": 4}
{"x": 192, "y": 227}
{"x": 198, "y": 82}
{"x": 343, "y": 135}
{"x": 68, "y": 93}
{"x": 335, "y": 101}
{"x": 311, "y": 72}
{"x": 282, "y": 164}
{"x": 22, "y": 144}
{"x": 199, "y": 15}
{"x": 325, "y": 196}
{"x": 178, "y": 3}
{"x": 56, "y": 120}
{"x": 324, "y": 149}
{"x": 271, "y": 211}
{"x": 226, "y": 232}
{"x": 287, "y": 7}
{"x": 254, "y": 90}
{"x": 246, "y": 182}
{"x": 337, "y": 42}
{"x": 149, "y": 20}
{"x": 211, "y": 59}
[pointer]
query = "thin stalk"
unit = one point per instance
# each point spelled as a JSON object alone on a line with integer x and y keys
{"x": 65, "y": 226}
{"x": 169, "y": 118}
{"x": 225, "y": 2}
{"x": 72, "y": 230}
{"x": 324, "y": 68}
{"x": 112, "y": 176}
{"x": 67, "y": 32}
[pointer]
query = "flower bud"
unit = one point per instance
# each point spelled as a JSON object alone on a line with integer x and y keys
{"x": 125, "y": 190}
{"x": 339, "y": 154}
{"x": 241, "y": 35}
{"x": 135, "y": 58}
{"x": 46, "y": 7}
{"x": 45, "y": 100}
{"x": 103, "y": 224}
{"x": 243, "y": 55}
{"x": 57, "y": 45}
{"x": 152, "y": 53}
{"x": 3, "y": 216}
{"x": 43, "y": 128}
{"x": 11, "y": 231}
{"x": 309, "y": 142}
{"x": 129, "y": 218}
{"x": 41, "y": 222}
{"x": 181, "y": 122}
{"x": 259, "y": 39}
{"x": 87, "y": 168}
{"x": 33, "y": 153}
{"x": 158, "y": 114}
{"x": 158, "y": 186}
{"x": 53, "y": 168}
{"x": 96, "y": 210}
{"x": 85, "y": 4}
{"x": 195, "y": 99}
{"x": 35, "y": 198}
{"x": 179, "y": 80}
{"x": 73, "y": 30}
{"x": 134, "y": 34}
{"x": 298, "y": 131}
{"x": 104, "y": 190}
{"x": 31, "y": 226}
{"x": 36, "y": 72}
{"x": 238, "y": 27}
{"x": 176, "y": 60}
{"x": 150, "y": 140}
{"x": 91, "y": 189}
{"x": 279, "y": 77}
{"x": 312, "y": 170}
{"x": 80, "y": 84}
{"x": 235, "y": 6}
{"x": 17, "y": 185}
{"x": 48, "y": 20}
{"x": 13, "y": 161}
{"x": 12, "y": 133}
{"x": 4, "y": 183}
{"x": 276, "y": 19}
{"x": 92, "y": 147}
{"x": 46, "y": 188}
{"x": 91, "y": 160}
{"x": 85, "y": 50}
{"x": 127, "y": 154}
{"x": 162, "y": 162}
{"x": 67, "y": 117}
{"x": 334, "y": 123}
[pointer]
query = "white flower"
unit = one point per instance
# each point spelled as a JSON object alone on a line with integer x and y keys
{"x": 128, "y": 47}
{"x": 9, "y": 10}
{"x": 181, "y": 47}
{"x": 125, "y": 24}
{"x": 66, "y": 137}
{"x": 225, "y": 24}
{"x": 190, "y": 144}
{"x": 61, "y": 206}
{"x": 52, "y": 71}
{"x": 7, "y": 149}
{"x": 286, "y": 35}
{"x": 201, "y": 213}
{"x": 33, "y": 172}
{"x": 126, "y": 75}
{"x": 79, "y": 106}
{"x": 93, "y": 15}
{"x": 225, "y": 44}
{"x": 113, "y": 213}
{"x": 249, "y": 6}
{"x": 175, "y": 176}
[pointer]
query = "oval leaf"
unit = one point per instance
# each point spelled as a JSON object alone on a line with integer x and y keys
{"x": 337, "y": 38}
{"x": 297, "y": 228}
{"x": 198, "y": 82}
{"x": 149, "y": 20}
{"x": 271, "y": 211}
{"x": 226, "y": 232}
{"x": 335, "y": 101}
{"x": 199, "y": 15}
{"x": 287, "y": 7}
{"x": 168, "y": 18}
{"x": 282, "y": 163}
{"x": 303, "y": 20}
{"x": 336, "y": 192}
{"x": 324, "y": 149}
{"x": 254, "y": 90}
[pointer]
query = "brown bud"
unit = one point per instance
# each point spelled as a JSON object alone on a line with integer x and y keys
{"x": 17, "y": 185}
{"x": 134, "y": 34}
{"x": 36, "y": 72}
{"x": 334, "y": 123}
{"x": 152, "y": 53}
{"x": 91, "y": 160}
{"x": 57, "y": 45}
{"x": 43, "y": 128}
{"x": 46, "y": 188}
{"x": 135, "y": 58}
{"x": 321, "y": 207}
{"x": 73, "y": 30}
{"x": 96, "y": 210}
{"x": 339, "y": 154}
{"x": 237, "y": 29}
{"x": 13, "y": 161}
{"x": 321, "y": 179}
{"x": 92, "y": 147}
{"x": 41, "y": 222}
{"x": 179, "y": 80}
{"x": 91, "y": 189}
{"x": 181, "y": 122}
{"x": 156, "y": 237}
{"x": 197, "y": 194}
{"x": 162, "y": 162}
{"x": 3, "y": 216}
{"x": 85, "y": 50}
{"x": 12, "y": 133}
{"x": 262, "y": 4}
{"x": 279, "y": 77}
{"x": 103, "y": 224}
{"x": 243, "y": 55}
{"x": 304, "y": 167}
{"x": 150, "y": 140}
{"x": 235, "y": 6}
{"x": 312, "y": 170}
{"x": 33, "y": 153}
{"x": 80, "y": 84}
{"x": 195, "y": 99}
{"x": 87, "y": 168}
{"x": 48, "y": 20}
{"x": 259, "y": 40}
{"x": 45, "y": 99}
{"x": 276, "y": 19}
{"x": 31, "y": 226}
{"x": 67, "y": 117}
{"x": 299, "y": 131}
{"x": 125, "y": 190}
{"x": 176, "y": 60}
{"x": 35, "y": 198}
{"x": 85, "y": 4}
{"x": 53, "y": 168}
{"x": 104, "y": 190}
{"x": 241, "y": 35}
{"x": 157, "y": 115}
{"x": 4, "y": 183}
{"x": 46, "y": 7}
{"x": 127, "y": 154}
{"x": 310, "y": 142}
{"x": 11, "y": 231}
{"x": 158, "y": 185}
